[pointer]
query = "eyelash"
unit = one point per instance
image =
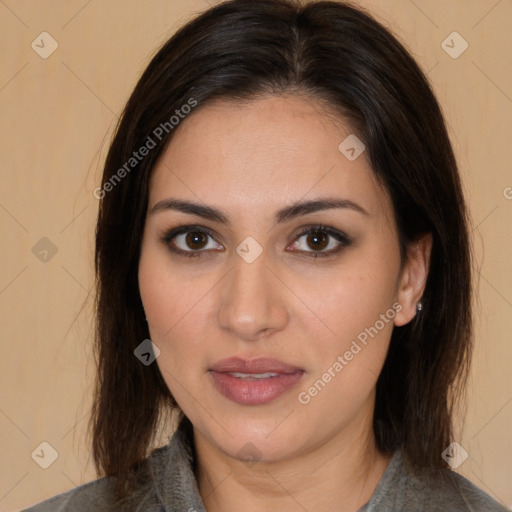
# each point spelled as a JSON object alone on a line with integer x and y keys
{"x": 342, "y": 238}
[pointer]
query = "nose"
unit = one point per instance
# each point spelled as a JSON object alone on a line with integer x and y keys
{"x": 252, "y": 300}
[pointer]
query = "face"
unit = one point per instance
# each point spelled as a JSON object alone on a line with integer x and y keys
{"x": 271, "y": 334}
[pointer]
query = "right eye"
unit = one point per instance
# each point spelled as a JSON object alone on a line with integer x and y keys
{"x": 189, "y": 241}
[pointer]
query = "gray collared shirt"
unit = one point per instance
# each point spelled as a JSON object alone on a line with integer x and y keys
{"x": 172, "y": 487}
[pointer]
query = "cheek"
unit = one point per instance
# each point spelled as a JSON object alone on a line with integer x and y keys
{"x": 171, "y": 305}
{"x": 347, "y": 363}
{"x": 358, "y": 305}
{"x": 355, "y": 296}
{"x": 169, "y": 297}
{"x": 176, "y": 305}
{"x": 358, "y": 349}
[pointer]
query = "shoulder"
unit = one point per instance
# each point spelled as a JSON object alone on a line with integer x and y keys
{"x": 404, "y": 490}
{"x": 89, "y": 496}
{"x": 99, "y": 495}
{"x": 449, "y": 490}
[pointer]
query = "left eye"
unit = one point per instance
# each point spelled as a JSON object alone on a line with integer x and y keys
{"x": 321, "y": 240}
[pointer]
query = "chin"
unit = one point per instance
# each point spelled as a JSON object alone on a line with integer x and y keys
{"x": 258, "y": 440}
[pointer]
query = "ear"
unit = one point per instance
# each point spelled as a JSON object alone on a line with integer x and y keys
{"x": 413, "y": 278}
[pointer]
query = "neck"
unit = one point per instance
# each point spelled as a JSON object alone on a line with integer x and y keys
{"x": 340, "y": 474}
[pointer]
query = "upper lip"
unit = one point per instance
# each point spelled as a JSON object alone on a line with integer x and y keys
{"x": 258, "y": 365}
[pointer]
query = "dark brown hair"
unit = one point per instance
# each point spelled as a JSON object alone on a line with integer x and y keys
{"x": 339, "y": 55}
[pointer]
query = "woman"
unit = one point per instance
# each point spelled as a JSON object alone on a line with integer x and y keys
{"x": 282, "y": 258}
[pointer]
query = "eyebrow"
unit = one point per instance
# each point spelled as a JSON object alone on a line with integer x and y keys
{"x": 287, "y": 213}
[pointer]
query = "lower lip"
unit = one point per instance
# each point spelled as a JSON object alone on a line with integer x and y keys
{"x": 254, "y": 392}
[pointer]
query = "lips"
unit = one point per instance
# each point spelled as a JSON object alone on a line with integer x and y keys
{"x": 259, "y": 365}
{"x": 255, "y": 381}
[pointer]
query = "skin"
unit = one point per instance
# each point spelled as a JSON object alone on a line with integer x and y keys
{"x": 249, "y": 160}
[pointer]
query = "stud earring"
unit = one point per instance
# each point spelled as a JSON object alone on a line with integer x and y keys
{"x": 419, "y": 306}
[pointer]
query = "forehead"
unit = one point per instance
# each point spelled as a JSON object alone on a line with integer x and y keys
{"x": 261, "y": 154}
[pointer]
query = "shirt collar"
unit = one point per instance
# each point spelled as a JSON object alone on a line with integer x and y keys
{"x": 176, "y": 485}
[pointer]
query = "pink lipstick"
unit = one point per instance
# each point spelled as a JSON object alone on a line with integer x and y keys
{"x": 253, "y": 382}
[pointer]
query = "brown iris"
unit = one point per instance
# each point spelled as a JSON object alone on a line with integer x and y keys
{"x": 318, "y": 241}
{"x": 196, "y": 239}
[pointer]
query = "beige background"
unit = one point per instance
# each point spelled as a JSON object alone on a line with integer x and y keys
{"x": 57, "y": 118}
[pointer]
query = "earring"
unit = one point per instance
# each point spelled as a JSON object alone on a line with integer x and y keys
{"x": 419, "y": 306}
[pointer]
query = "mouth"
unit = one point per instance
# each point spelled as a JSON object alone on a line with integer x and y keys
{"x": 255, "y": 381}
{"x": 253, "y": 376}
